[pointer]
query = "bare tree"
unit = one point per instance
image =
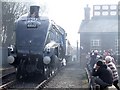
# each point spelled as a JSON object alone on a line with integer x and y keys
{"x": 10, "y": 12}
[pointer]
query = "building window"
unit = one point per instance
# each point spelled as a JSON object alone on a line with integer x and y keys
{"x": 104, "y": 13}
{"x": 96, "y": 7}
{"x": 105, "y": 7}
{"x": 113, "y": 13}
{"x": 96, "y": 13}
{"x": 116, "y": 45}
{"x": 95, "y": 42}
{"x": 113, "y": 7}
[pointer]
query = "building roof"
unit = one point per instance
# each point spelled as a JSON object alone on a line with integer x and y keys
{"x": 105, "y": 19}
{"x": 99, "y": 24}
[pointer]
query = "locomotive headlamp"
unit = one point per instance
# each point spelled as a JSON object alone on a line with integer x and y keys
{"x": 46, "y": 60}
{"x": 10, "y": 59}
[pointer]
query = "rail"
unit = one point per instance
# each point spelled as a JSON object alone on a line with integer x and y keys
{"x": 14, "y": 84}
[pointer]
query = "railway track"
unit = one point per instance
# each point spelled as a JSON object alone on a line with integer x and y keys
{"x": 7, "y": 85}
{"x": 14, "y": 84}
{"x": 36, "y": 84}
{"x": 7, "y": 80}
{"x": 7, "y": 76}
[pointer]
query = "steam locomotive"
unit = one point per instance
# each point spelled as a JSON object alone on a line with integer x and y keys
{"x": 40, "y": 45}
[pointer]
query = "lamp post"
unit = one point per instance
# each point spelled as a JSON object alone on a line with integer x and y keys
{"x": 81, "y": 48}
{"x": 77, "y": 50}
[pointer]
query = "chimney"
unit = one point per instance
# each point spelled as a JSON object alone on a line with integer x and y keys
{"x": 87, "y": 13}
{"x": 34, "y": 11}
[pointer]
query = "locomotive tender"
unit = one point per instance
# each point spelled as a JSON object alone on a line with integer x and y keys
{"x": 40, "y": 45}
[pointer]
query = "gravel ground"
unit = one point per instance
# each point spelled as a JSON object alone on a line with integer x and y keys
{"x": 71, "y": 76}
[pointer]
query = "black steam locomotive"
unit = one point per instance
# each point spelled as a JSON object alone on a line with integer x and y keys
{"x": 40, "y": 45}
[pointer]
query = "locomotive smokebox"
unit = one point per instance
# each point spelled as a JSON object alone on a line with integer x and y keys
{"x": 34, "y": 11}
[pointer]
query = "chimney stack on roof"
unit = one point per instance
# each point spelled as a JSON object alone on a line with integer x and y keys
{"x": 87, "y": 13}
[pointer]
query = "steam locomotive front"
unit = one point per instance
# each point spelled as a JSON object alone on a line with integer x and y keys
{"x": 31, "y": 32}
{"x": 30, "y": 36}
